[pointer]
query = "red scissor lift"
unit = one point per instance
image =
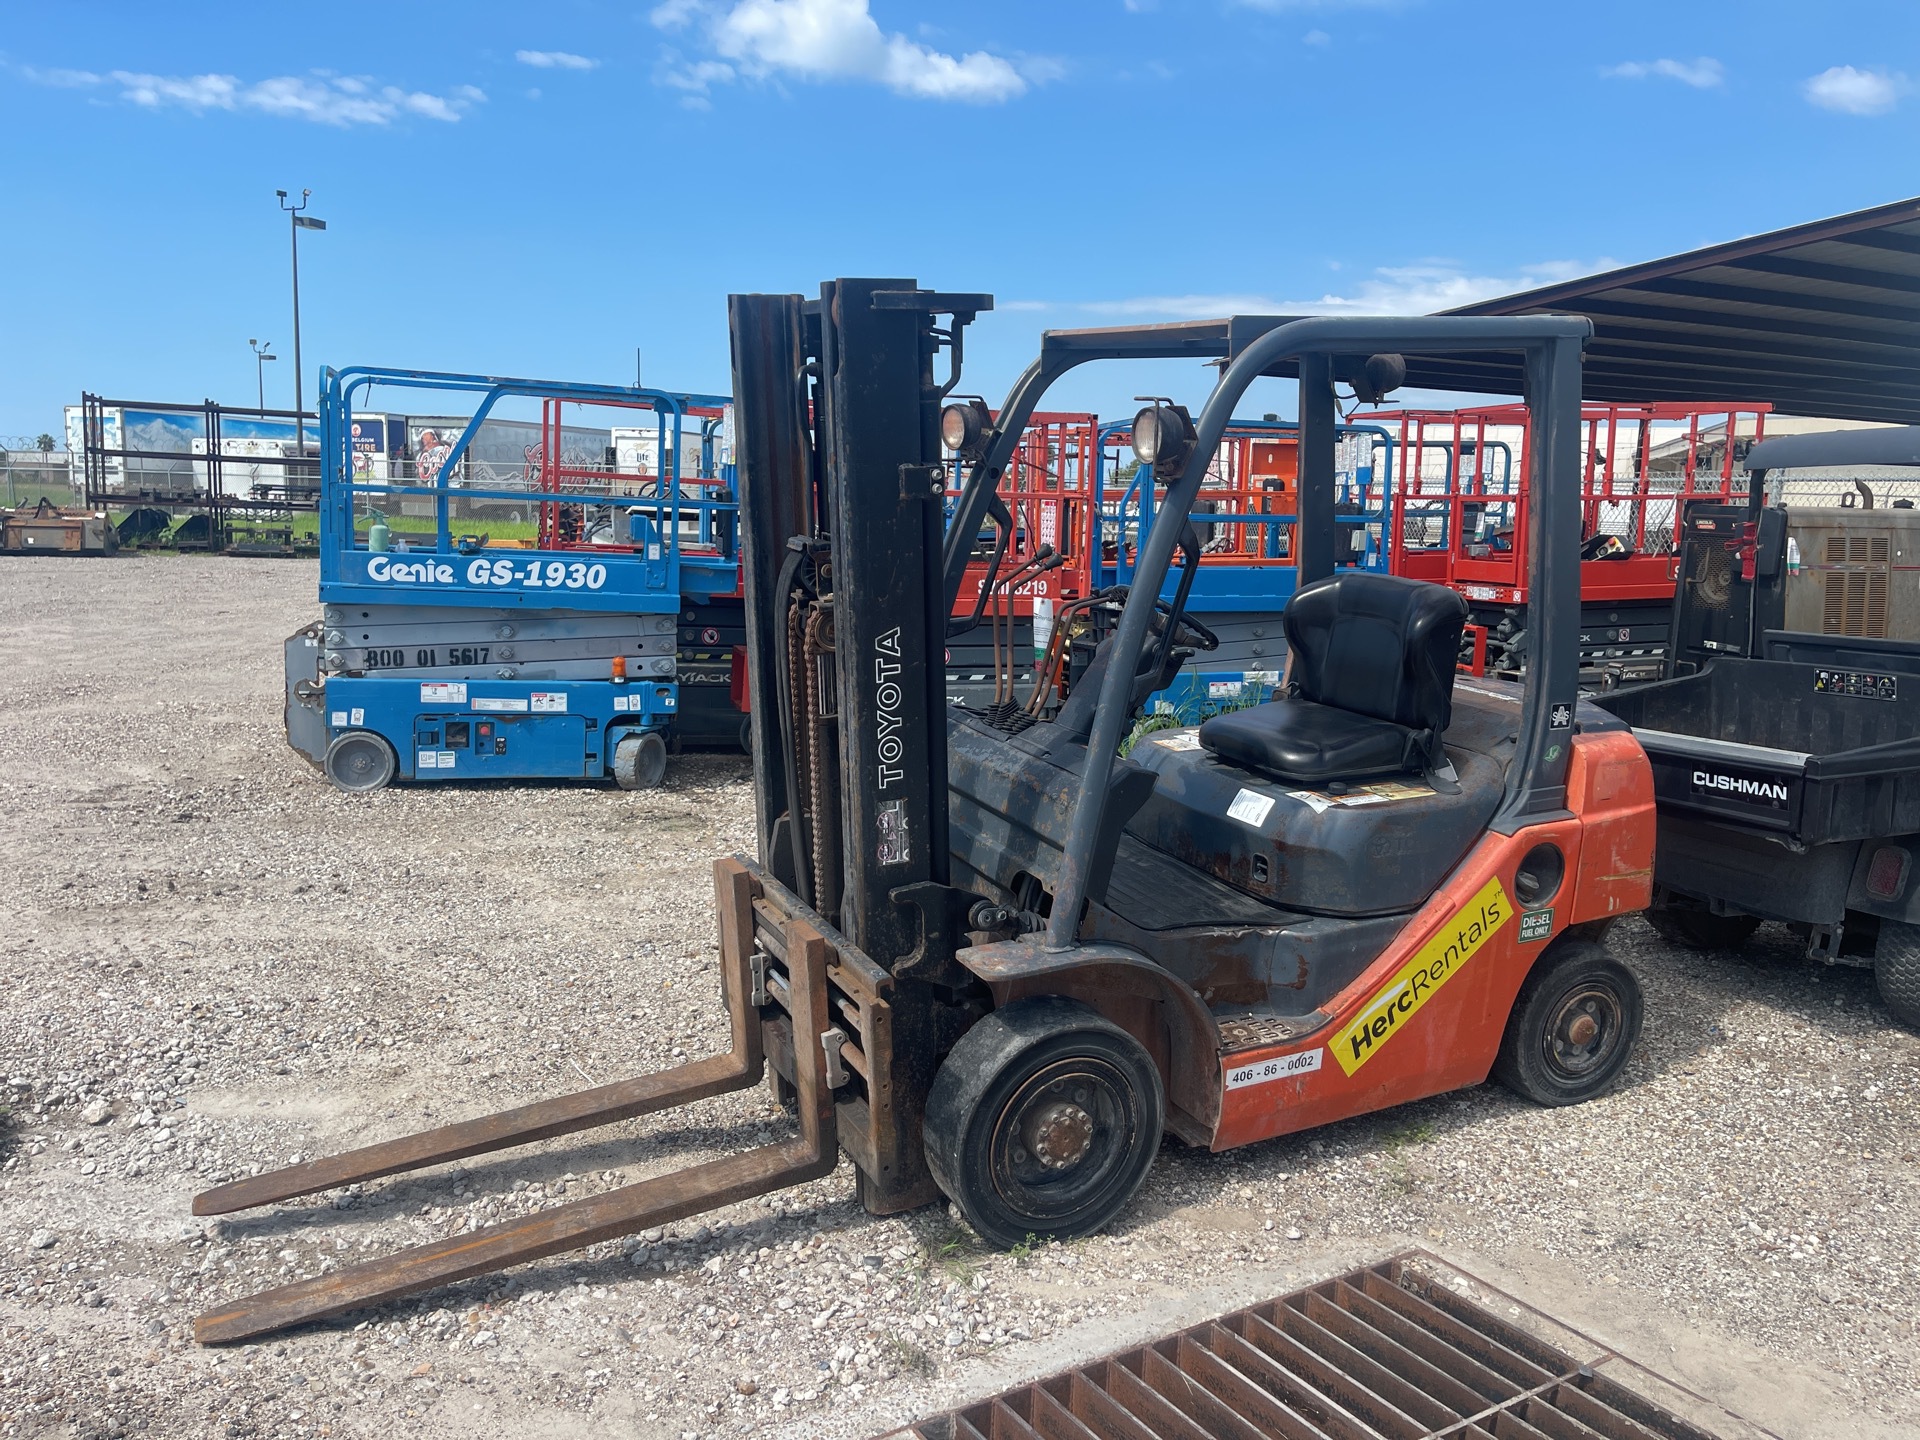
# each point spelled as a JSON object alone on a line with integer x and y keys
{"x": 1046, "y": 560}
{"x": 700, "y": 513}
{"x": 1073, "y": 535}
{"x": 560, "y": 526}
{"x": 1459, "y": 516}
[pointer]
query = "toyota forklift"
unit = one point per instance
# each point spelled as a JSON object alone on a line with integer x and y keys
{"x": 996, "y": 963}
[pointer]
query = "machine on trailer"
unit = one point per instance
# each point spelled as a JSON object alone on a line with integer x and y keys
{"x": 445, "y": 655}
{"x": 998, "y": 963}
{"x": 1465, "y": 523}
{"x": 45, "y": 528}
{"x": 1786, "y": 750}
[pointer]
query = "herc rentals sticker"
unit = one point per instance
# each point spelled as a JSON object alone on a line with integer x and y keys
{"x": 1435, "y": 963}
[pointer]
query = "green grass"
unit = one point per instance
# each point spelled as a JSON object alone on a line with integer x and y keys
{"x": 306, "y": 528}
{"x": 1417, "y": 1133}
{"x": 907, "y": 1357}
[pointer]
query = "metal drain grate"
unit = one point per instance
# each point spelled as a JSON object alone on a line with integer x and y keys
{"x": 1389, "y": 1352}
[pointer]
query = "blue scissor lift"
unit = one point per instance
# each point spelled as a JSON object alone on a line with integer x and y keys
{"x": 448, "y": 657}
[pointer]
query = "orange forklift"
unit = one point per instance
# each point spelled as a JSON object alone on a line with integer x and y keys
{"x": 998, "y": 962}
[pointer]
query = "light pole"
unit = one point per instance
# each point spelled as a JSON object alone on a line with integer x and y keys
{"x": 300, "y": 222}
{"x": 261, "y": 354}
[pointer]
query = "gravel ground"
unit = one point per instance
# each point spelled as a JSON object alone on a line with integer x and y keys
{"x": 216, "y": 963}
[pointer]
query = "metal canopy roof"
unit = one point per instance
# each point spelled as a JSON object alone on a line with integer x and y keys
{"x": 1837, "y": 447}
{"x": 1818, "y": 319}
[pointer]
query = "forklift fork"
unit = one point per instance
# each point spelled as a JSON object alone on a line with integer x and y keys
{"x": 646, "y": 1203}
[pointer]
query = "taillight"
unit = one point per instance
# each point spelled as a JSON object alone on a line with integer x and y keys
{"x": 1887, "y": 872}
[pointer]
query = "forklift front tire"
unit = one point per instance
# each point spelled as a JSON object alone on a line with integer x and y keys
{"x": 1043, "y": 1121}
{"x": 359, "y": 760}
{"x": 1896, "y": 970}
{"x": 639, "y": 760}
{"x": 1573, "y": 1026}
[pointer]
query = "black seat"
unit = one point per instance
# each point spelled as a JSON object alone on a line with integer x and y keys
{"x": 1371, "y": 686}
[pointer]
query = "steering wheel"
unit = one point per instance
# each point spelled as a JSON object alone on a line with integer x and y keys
{"x": 1188, "y": 632}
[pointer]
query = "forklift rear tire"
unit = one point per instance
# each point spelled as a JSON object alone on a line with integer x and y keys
{"x": 1702, "y": 929}
{"x": 639, "y": 760}
{"x": 1043, "y": 1121}
{"x": 359, "y": 760}
{"x": 1573, "y": 1027}
{"x": 1896, "y": 970}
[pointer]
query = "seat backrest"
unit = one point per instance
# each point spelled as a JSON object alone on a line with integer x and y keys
{"x": 1377, "y": 645}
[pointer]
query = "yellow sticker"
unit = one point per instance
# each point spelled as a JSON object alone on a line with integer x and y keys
{"x": 1432, "y": 966}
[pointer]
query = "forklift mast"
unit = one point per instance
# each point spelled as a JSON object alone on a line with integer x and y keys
{"x": 838, "y": 414}
{"x": 838, "y": 417}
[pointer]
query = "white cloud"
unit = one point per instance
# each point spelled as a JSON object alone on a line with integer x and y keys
{"x": 1420, "y": 289}
{"x": 1856, "y": 92}
{"x": 321, "y": 98}
{"x": 1316, "y": 37}
{"x": 555, "y": 60}
{"x": 826, "y": 40}
{"x": 1706, "y": 73}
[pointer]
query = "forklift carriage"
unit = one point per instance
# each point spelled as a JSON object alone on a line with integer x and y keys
{"x": 998, "y": 962}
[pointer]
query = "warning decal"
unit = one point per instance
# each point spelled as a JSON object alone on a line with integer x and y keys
{"x": 1435, "y": 963}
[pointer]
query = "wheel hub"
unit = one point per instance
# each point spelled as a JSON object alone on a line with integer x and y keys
{"x": 1582, "y": 1035}
{"x": 1059, "y": 1134}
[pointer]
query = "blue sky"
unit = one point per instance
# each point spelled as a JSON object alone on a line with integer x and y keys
{"x": 540, "y": 189}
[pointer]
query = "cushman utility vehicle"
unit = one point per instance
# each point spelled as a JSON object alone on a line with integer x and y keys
{"x": 997, "y": 958}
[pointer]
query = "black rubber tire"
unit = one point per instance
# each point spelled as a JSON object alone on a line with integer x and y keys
{"x": 1040, "y": 1064}
{"x": 1575, "y": 982}
{"x": 746, "y": 733}
{"x": 1702, "y": 929}
{"x": 1896, "y": 970}
{"x": 358, "y": 761}
{"x": 639, "y": 760}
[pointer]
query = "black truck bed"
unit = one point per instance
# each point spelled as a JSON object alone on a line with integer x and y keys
{"x": 1811, "y": 753}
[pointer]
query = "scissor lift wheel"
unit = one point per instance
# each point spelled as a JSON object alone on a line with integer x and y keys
{"x": 1043, "y": 1121}
{"x": 1573, "y": 1026}
{"x": 359, "y": 760}
{"x": 639, "y": 760}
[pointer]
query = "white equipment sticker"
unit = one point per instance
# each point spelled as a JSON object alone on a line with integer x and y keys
{"x": 339, "y": 717}
{"x": 1276, "y": 1069}
{"x": 1250, "y": 807}
{"x": 359, "y": 716}
{"x": 443, "y": 691}
{"x": 427, "y": 760}
{"x": 446, "y": 759}
{"x": 1178, "y": 740}
{"x": 549, "y": 702}
{"x": 1223, "y": 689}
{"x": 501, "y": 705}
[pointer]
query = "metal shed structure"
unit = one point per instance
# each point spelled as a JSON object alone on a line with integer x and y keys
{"x": 1818, "y": 319}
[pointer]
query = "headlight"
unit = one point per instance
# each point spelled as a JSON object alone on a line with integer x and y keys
{"x": 1163, "y": 437}
{"x": 965, "y": 428}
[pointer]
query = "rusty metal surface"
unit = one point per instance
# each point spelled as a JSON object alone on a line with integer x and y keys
{"x": 1392, "y": 1351}
{"x": 633, "y": 1207}
{"x": 878, "y": 1108}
